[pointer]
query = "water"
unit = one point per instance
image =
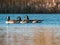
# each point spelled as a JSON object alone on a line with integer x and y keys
{"x": 20, "y": 34}
{"x": 49, "y": 19}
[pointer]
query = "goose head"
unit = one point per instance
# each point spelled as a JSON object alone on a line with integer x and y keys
{"x": 8, "y": 18}
{"x": 26, "y": 17}
{"x": 19, "y": 18}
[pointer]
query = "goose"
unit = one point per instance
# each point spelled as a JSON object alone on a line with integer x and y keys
{"x": 10, "y": 21}
{"x": 36, "y": 21}
{"x": 26, "y": 20}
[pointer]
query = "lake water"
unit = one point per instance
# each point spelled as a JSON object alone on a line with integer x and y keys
{"x": 49, "y": 19}
{"x": 45, "y": 33}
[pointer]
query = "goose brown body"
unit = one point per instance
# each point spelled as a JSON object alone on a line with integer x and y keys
{"x": 11, "y": 21}
{"x": 24, "y": 21}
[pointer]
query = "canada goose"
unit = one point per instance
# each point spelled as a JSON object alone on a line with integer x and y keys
{"x": 10, "y": 21}
{"x": 36, "y": 21}
{"x": 26, "y": 20}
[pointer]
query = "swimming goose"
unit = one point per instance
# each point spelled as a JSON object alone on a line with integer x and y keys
{"x": 26, "y": 20}
{"x": 36, "y": 21}
{"x": 10, "y": 21}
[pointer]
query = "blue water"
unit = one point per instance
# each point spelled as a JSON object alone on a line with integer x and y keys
{"x": 49, "y": 19}
{"x": 28, "y": 29}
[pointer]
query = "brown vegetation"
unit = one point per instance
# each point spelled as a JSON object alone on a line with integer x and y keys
{"x": 27, "y": 6}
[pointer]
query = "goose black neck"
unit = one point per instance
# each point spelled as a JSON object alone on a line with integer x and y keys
{"x": 19, "y": 18}
{"x": 27, "y": 18}
{"x": 8, "y": 18}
